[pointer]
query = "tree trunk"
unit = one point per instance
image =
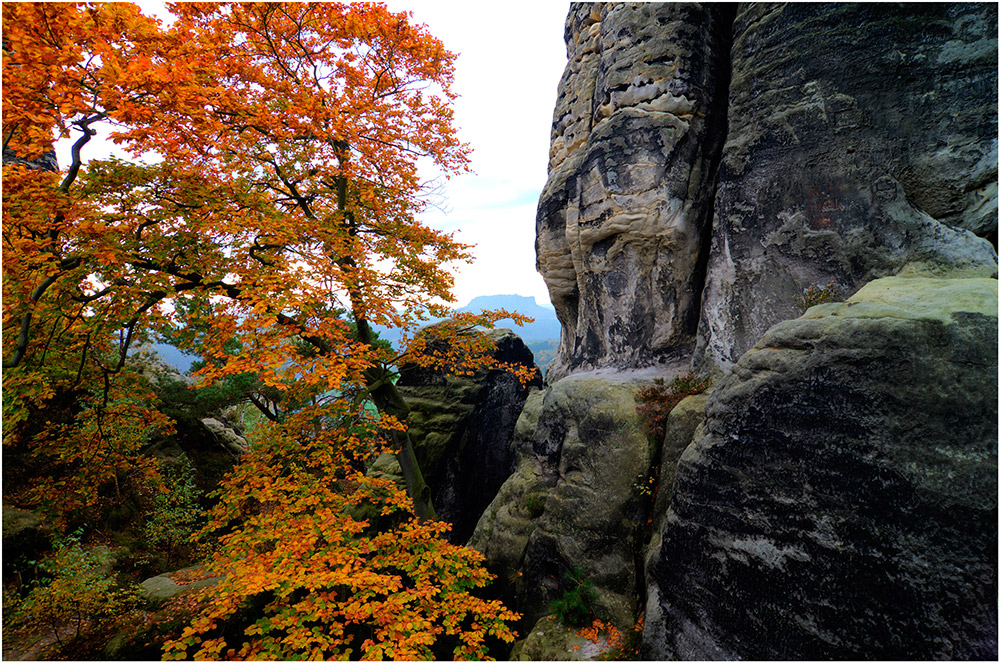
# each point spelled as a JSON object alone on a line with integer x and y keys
{"x": 389, "y": 401}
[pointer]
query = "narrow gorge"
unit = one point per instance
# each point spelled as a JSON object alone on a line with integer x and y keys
{"x": 713, "y": 168}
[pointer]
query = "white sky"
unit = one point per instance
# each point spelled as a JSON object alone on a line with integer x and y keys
{"x": 511, "y": 56}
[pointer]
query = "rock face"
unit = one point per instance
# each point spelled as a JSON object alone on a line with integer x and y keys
{"x": 24, "y": 540}
{"x": 462, "y": 430}
{"x": 862, "y": 143}
{"x": 621, "y": 222}
{"x": 227, "y": 436}
{"x": 682, "y": 426}
{"x": 842, "y": 499}
{"x": 709, "y": 163}
{"x": 575, "y": 502}
{"x": 44, "y": 162}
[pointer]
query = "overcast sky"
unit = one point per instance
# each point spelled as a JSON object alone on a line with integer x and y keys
{"x": 511, "y": 56}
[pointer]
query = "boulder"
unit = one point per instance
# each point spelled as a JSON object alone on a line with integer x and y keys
{"x": 576, "y": 503}
{"x": 841, "y": 499}
{"x": 549, "y": 640}
{"x": 622, "y": 220}
{"x": 25, "y": 539}
{"x": 159, "y": 589}
{"x": 862, "y": 143}
{"x": 462, "y": 428}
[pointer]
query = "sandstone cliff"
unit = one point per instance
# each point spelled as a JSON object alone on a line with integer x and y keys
{"x": 862, "y": 143}
{"x": 623, "y": 219}
{"x": 835, "y": 495}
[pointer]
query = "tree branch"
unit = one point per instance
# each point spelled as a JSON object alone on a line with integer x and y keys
{"x": 74, "y": 168}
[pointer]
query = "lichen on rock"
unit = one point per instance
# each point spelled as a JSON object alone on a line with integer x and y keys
{"x": 576, "y": 501}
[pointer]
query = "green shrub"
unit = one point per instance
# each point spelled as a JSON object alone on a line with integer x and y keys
{"x": 535, "y": 504}
{"x": 75, "y": 592}
{"x": 174, "y": 510}
{"x": 575, "y": 608}
{"x": 658, "y": 399}
{"x": 813, "y": 296}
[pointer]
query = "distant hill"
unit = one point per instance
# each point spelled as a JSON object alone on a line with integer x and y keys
{"x": 542, "y": 335}
{"x": 544, "y": 328}
{"x": 179, "y": 360}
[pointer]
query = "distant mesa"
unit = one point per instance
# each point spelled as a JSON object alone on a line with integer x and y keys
{"x": 545, "y": 326}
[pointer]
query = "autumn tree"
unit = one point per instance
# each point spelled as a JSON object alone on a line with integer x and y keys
{"x": 274, "y": 182}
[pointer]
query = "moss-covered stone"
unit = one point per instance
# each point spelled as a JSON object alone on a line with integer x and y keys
{"x": 549, "y": 640}
{"x": 682, "y": 424}
{"x": 843, "y": 489}
{"x": 576, "y": 501}
{"x": 159, "y": 589}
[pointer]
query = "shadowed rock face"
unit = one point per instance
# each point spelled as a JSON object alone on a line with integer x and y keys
{"x": 841, "y": 501}
{"x": 862, "y": 143}
{"x": 621, "y": 222}
{"x": 463, "y": 426}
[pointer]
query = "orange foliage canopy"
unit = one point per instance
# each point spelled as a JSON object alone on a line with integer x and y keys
{"x": 276, "y": 182}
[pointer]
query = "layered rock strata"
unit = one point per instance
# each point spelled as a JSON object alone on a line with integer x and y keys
{"x": 841, "y": 502}
{"x": 637, "y": 129}
{"x": 862, "y": 143}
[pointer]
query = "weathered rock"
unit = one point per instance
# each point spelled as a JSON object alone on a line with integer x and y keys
{"x": 550, "y": 640}
{"x": 227, "y": 436}
{"x": 682, "y": 424}
{"x": 576, "y": 503}
{"x": 194, "y": 443}
{"x": 25, "y": 539}
{"x": 636, "y": 134}
{"x": 503, "y": 530}
{"x": 842, "y": 499}
{"x": 156, "y": 369}
{"x": 159, "y": 589}
{"x": 462, "y": 430}
{"x": 44, "y": 162}
{"x": 862, "y": 143}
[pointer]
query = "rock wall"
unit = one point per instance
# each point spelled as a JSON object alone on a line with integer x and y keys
{"x": 462, "y": 429}
{"x": 841, "y": 501}
{"x": 636, "y": 134}
{"x": 576, "y": 501}
{"x": 862, "y": 143}
{"x": 840, "y": 498}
